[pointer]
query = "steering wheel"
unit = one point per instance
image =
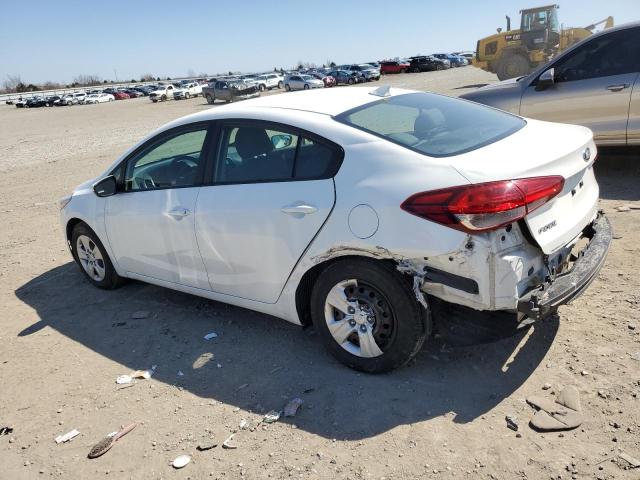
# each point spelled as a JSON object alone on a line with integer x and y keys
{"x": 144, "y": 181}
{"x": 183, "y": 168}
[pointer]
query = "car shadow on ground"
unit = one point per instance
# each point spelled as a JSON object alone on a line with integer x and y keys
{"x": 263, "y": 361}
{"x": 617, "y": 171}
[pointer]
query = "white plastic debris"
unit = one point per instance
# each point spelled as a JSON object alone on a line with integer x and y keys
{"x": 67, "y": 436}
{"x": 180, "y": 374}
{"x": 124, "y": 379}
{"x": 292, "y": 407}
{"x": 271, "y": 417}
{"x": 227, "y": 443}
{"x": 244, "y": 424}
{"x": 181, "y": 461}
{"x": 211, "y": 335}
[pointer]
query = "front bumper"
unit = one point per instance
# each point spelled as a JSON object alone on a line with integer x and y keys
{"x": 545, "y": 300}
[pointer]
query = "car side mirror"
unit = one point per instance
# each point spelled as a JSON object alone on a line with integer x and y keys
{"x": 546, "y": 80}
{"x": 281, "y": 141}
{"x": 106, "y": 187}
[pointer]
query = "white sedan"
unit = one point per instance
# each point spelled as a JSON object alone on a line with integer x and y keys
{"x": 99, "y": 98}
{"x": 351, "y": 210}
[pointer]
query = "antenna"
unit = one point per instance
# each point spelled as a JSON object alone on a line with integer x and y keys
{"x": 383, "y": 91}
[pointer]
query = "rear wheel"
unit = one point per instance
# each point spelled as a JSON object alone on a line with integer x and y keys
{"x": 306, "y": 86}
{"x": 512, "y": 66}
{"x": 367, "y": 315}
{"x": 187, "y": 96}
{"x": 92, "y": 258}
{"x": 287, "y": 87}
{"x": 163, "y": 98}
{"x": 209, "y": 99}
{"x": 439, "y": 67}
{"x": 262, "y": 88}
{"x": 280, "y": 85}
{"x": 351, "y": 81}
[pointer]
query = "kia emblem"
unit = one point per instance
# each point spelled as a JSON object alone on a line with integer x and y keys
{"x": 586, "y": 155}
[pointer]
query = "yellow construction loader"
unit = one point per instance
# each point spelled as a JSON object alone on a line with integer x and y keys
{"x": 515, "y": 53}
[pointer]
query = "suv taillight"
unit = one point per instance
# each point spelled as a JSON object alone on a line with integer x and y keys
{"x": 484, "y": 206}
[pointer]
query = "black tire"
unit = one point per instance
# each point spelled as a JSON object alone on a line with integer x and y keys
{"x": 280, "y": 84}
{"x": 262, "y": 88}
{"x": 439, "y": 67}
{"x": 351, "y": 81}
{"x": 306, "y": 87}
{"x": 287, "y": 87}
{"x": 512, "y": 66}
{"x": 209, "y": 99}
{"x": 163, "y": 98}
{"x": 415, "y": 70}
{"x": 407, "y": 325}
{"x": 187, "y": 96}
{"x": 111, "y": 279}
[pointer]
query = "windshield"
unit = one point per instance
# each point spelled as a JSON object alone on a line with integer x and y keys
{"x": 306, "y": 77}
{"x": 434, "y": 125}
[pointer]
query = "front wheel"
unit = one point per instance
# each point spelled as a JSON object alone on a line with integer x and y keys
{"x": 280, "y": 84}
{"x": 306, "y": 86}
{"x": 163, "y": 98}
{"x": 287, "y": 87}
{"x": 351, "y": 81}
{"x": 209, "y": 99}
{"x": 368, "y": 316}
{"x": 187, "y": 96}
{"x": 262, "y": 88}
{"x": 92, "y": 258}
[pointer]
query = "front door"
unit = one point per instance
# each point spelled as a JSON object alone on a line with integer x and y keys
{"x": 273, "y": 190}
{"x": 151, "y": 224}
{"x": 592, "y": 87}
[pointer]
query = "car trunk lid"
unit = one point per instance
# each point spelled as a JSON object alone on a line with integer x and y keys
{"x": 544, "y": 149}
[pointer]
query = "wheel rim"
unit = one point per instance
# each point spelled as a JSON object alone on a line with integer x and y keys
{"x": 90, "y": 258}
{"x": 359, "y": 318}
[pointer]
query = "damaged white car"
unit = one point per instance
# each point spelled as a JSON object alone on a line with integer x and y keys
{"x": 350, "y": 210}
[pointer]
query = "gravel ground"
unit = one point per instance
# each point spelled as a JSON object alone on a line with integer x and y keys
{"x": 63, "y": 343}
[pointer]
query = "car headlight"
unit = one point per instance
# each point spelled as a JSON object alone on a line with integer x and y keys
{"x": 64, "y": 201}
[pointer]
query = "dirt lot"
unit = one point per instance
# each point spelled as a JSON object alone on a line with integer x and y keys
{"x": 63, "y": 343}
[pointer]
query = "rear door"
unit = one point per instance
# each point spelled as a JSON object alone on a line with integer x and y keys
{"x": 271, "y": 191}
{"x": 592, "y": 86}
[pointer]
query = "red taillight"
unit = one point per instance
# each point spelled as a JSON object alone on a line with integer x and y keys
{"x": 484, "y": 206}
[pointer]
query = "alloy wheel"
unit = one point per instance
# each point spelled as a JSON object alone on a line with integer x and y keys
{"x": 90, "y": 258}
{"x": 360, "y": 318}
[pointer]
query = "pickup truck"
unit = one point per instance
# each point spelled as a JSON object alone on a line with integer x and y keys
{"x": 229, "y": 90}
{"x": 162, "y": 93}
{"x": 269, "y": 81}
{"x": 187, "y": 90}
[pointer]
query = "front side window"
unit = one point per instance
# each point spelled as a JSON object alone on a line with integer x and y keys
{"x": 172, "y": 162}
{"x": 264, "y": 153}
{"x": 433, "y": 125}
{"x": 610, "y": 54}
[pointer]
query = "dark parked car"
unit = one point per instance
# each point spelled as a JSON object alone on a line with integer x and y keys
{"x": 394, "y": 67}
{"x": 368, "y": 72}
{"x": 454, "y": 60}
{"x": 344, "y": 77}
{"x": 427, "y": 63}
{"x": 230, "y": 90}
{"x": 36, "y": 102}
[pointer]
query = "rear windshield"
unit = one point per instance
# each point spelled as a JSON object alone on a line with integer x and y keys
{"x": 434, "y": 125}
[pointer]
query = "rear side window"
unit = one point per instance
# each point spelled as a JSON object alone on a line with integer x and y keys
{"x": 433, "y": 125}
{"x": 255, "y": 153}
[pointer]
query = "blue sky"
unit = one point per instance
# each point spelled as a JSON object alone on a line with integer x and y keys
{"x": 57, "y": 40}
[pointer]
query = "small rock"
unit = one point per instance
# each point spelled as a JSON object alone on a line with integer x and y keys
{"x": 584, "y": 373}
{"x": 512, "y": 422}
{"x": 546, "y": 386}
{"x": 631, "y": 326}
{"x": 623, "y": 208}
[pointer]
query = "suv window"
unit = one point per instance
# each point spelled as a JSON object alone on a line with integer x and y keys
{"x": 264, "y": 153}
{"x": 616, "y": 53}
{"x": 172, "y": 162}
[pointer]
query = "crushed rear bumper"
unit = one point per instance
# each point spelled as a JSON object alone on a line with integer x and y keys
{"x": 545, "y": 300}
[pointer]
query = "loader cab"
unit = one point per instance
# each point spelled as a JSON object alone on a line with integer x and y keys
{"x": 539, "y": 28}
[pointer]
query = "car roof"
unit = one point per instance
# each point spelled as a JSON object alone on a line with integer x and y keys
{"x": 331, "y": 101}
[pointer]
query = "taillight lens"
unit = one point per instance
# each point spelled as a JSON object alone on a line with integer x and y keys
{"x": 484, "y": 206}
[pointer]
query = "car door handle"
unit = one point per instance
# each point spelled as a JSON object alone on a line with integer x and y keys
{"x": 299, "y": 209}
{"x": 617, "y": 88}
{"x": 179, "y": 212}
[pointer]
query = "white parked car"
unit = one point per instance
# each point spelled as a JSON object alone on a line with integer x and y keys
{"x": 350, "y": 209}
{"x": 99, "y": 98}
{"x": 301, "y": 82}
{"x": 80, "y": 96}
{"x": 162, "y": 93}
{"x": 187, "y": 90}
{"x": 270, "y": 81}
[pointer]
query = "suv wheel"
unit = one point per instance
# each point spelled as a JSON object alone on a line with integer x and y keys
{"x": 187, "y": 96}
{"x": 351, "y": 81}
{"x": 367, "y": 315}
{"x": 262, "y": 87}
{"x": 280, "y": 85}
{"x": 287, "y": 87}
{"x": 209, "y": 99}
